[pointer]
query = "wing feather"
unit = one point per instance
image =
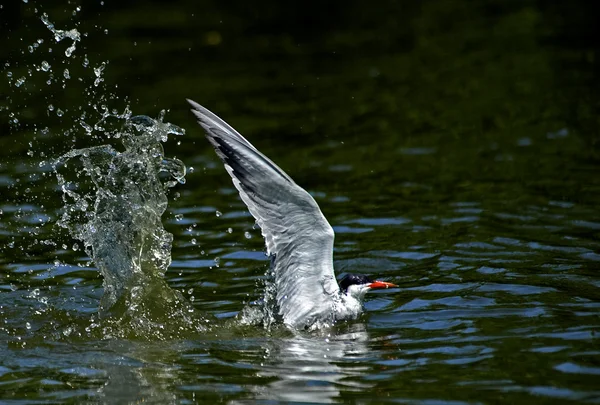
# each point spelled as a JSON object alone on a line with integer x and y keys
{"x": 297, "y": 236}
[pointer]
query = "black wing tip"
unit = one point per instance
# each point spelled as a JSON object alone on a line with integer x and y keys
{"x": 203, "y": 114}
{"x": 231, "y": 159}
{"x": 204, "y": 117}
{"x": 199, "y": 111}
{"x": 217, "y": 130}
{"x": 193, "y": 103}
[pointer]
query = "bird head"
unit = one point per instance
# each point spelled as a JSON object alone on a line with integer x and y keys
{"x": 357, "y": 285}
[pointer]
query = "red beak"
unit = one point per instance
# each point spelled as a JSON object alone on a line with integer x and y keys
{"x": 381, "y": 284}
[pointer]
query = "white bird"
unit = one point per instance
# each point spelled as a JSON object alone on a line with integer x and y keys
{"x": 298, "y": 238}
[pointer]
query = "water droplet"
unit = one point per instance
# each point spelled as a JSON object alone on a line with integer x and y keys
{"x": 69, "y": 51}
{"x": 229, "y": 230}
{"x": 45, "y": 66}
{"x": 20, "y": 81}
{"x": 218, "y": 213}
{"x": 27, "y": 324}
{"x": 193, "y": 241}
{"x": 98, "y": 70}
{"x": 88, "y": 128}
{"x": 50, "y": 107}
{"x": 75, "y": 247}
{"x": 66, "y": 74}
{"x": 247, "y": 234}
{"x": 178, "y": 217}
{"x": 60, "y": 112}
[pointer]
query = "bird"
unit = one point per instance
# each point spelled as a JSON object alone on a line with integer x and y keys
{"x": 298, "y": 238}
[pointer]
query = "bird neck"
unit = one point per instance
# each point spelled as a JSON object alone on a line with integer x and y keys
{"x": 349, "y": 306}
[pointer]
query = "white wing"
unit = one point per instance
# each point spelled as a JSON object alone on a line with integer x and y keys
{"x": 298, "y": 237}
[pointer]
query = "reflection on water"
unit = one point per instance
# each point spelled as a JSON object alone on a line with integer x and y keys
{"x": 139, "y": 374}
{"x": 314, "y": 368}
{"x": 308, "y": 369}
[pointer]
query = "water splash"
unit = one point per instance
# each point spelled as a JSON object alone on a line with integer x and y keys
{"x": 59, "y": 35}
{"x": 264, "y": 312}
{"x": 113, "y": 196}
{"x": 114, "y": 207}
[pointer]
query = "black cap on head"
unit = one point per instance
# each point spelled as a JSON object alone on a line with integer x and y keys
{"x": 353, "y": 279}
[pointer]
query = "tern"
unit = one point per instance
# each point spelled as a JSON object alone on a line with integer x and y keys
{"x": 298, "y": 238}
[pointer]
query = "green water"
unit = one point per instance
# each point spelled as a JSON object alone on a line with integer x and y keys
{"x": 453, "y": 146}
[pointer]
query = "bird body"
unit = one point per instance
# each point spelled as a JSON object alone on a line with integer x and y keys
{"x": 297, "y": 236}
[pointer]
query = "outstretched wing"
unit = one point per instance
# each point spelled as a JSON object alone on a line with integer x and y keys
{"x": 297, "y": 235}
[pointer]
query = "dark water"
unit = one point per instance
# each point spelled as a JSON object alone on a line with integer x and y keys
{"x": 453, "y": 146}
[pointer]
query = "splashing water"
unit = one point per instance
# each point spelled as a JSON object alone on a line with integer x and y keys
{"x": 59, "y": 35}
{"x": 114, "y": 207}
{"x": 113, "y": 197}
